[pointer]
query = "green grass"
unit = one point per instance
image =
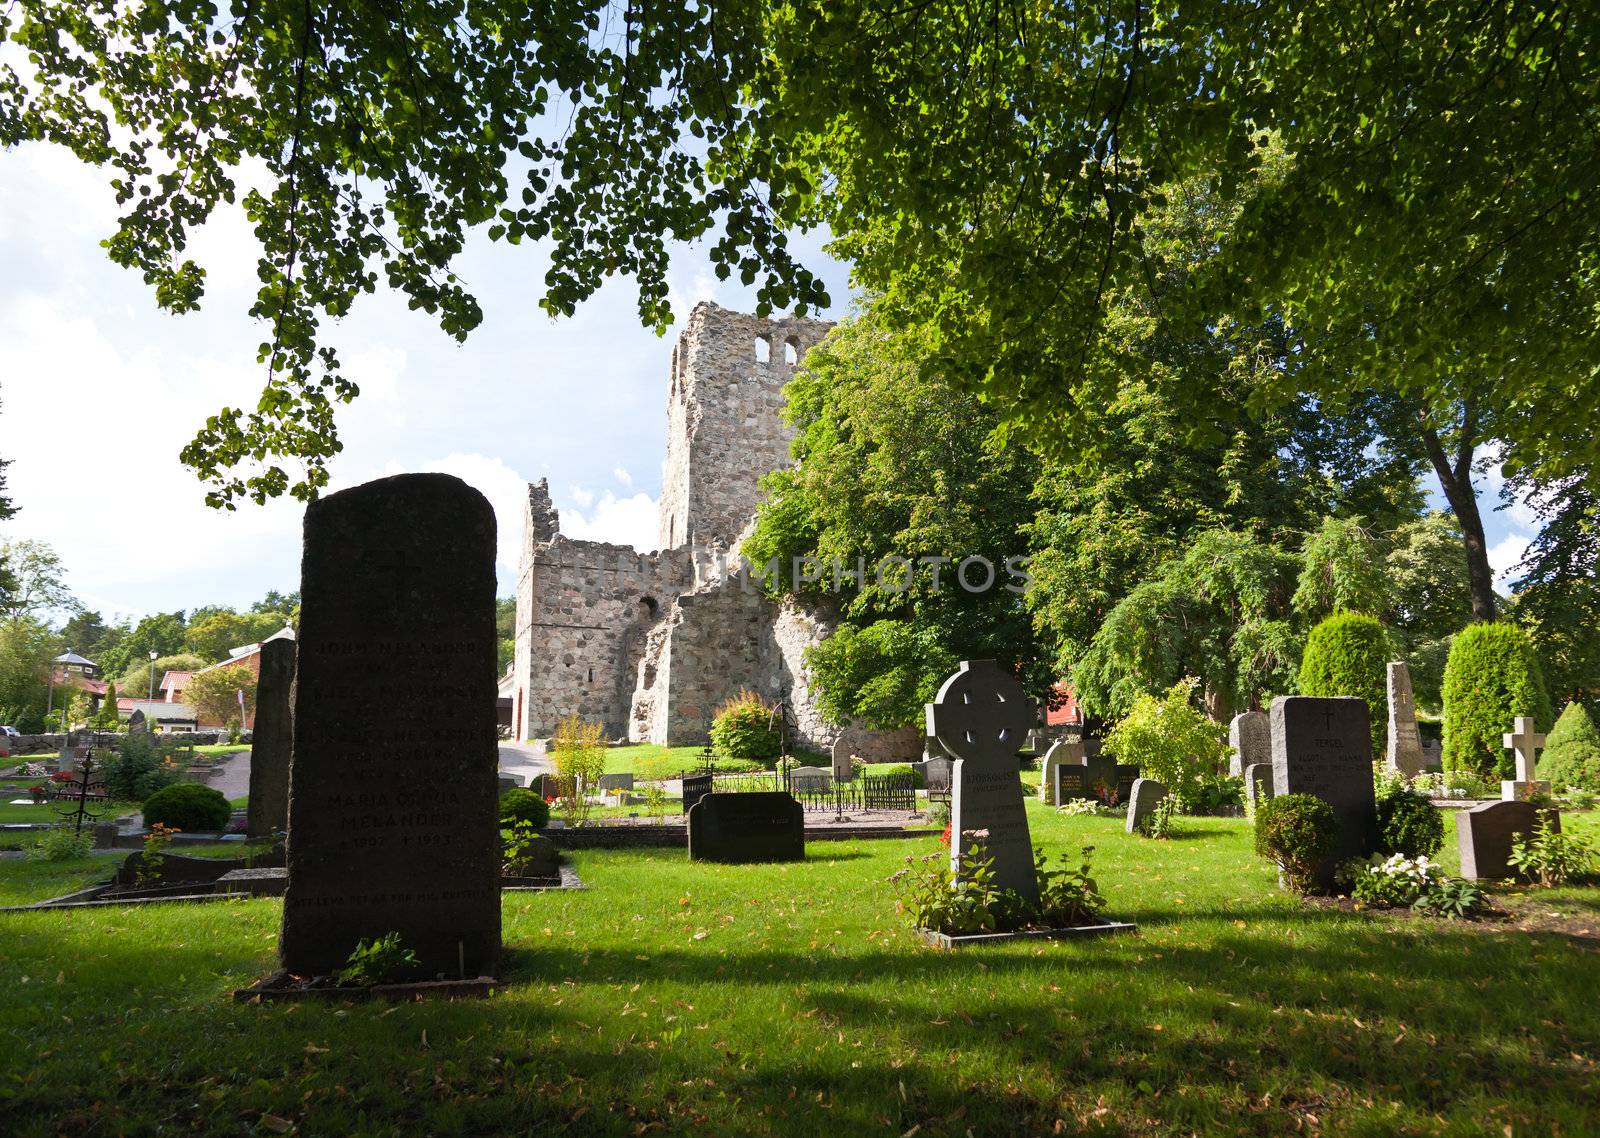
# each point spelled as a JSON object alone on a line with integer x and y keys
{"x": 672, "y": 760}
{"x": 51, "y": 811}
{"x": 791, "y": 1000}
{"x": 219, "y": 748}
{"x": 24, "y": 881}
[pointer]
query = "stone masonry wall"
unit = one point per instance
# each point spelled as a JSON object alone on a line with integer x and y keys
{"x": 724, "y": 423}
{"x": 584, "y": 610}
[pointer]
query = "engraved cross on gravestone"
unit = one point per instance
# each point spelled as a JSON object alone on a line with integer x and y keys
{"x": 980, "y": 716}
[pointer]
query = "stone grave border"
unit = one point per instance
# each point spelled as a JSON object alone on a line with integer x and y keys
{"x": 978, "y": 940}
{"x": 275, "y": 989}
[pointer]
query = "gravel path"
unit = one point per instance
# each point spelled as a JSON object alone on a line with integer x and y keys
{"x": 233, "y": 775}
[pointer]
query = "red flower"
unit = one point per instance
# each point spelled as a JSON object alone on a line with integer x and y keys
{"x": 944, "y": 838}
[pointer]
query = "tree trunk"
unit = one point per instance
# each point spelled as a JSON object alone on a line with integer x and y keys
{"x": 1456, "y": 481}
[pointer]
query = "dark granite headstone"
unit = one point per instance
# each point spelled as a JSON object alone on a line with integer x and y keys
{"x": 1257, "y": 782}
{"x": 1484, "y": 835}
{"x": 271, "y": 741}
{"x": 761, "y": 826}
{"x": 394, "y": 829}
{"x": 1323, "y": 747}
{"x": 1142, "y": 799}
{"x": 695, "y": 787}
{"x": 611, "y": 782}
{"x": 1249, "y": 741}
{"x": 137, "y": 724}
{"x": 936, "y": 773}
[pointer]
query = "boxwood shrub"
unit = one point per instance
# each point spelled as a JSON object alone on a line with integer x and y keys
{"x": 744, "y": 727}
{"x": 188, "y": 806}
{"x": 522, "y": 805}
{"x": 1408, "y": 824}
{"x": 1296, "y": 831}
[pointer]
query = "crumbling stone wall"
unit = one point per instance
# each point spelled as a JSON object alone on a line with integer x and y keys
{"x": 651, "y": 644}
{"x": 584, "y": 611}
{"x": 724, "y": 423}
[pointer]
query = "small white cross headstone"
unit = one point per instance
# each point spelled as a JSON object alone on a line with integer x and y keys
{"x": 980, "y": 716}
{"x": 1526, "y": 742}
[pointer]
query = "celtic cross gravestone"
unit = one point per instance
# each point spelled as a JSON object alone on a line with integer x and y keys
{"x": 980, "y": 716}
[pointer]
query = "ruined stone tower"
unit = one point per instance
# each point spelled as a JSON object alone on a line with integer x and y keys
{"x": 651, "y": 643}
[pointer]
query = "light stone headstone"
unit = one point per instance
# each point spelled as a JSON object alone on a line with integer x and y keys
{"x": 1484, "y": 835}
{"x": 1323, "y": 747}
{"x": 841, "y": 758}
{"x": 392, "y": 830}
{"x": 1142, "y": 802}
{"x": 1257, "y": 782}
{"x": 1404, "y": 749}
{"x": 1069, "y": 753}
{"x": 1250, "y": 737}
{"x": 980, "y": 716}
{"x": 271, "y": 742}
{"x": 1526, "y": 742}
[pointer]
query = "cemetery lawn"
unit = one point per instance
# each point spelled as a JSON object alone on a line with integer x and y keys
{"x": 635, "y": 757}
{"x": 792, "y": 1000}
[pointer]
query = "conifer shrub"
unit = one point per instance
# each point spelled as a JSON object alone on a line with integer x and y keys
{"x": 1492, "y": 677}
{"x": 1348, "y": 654}
{"x": 519, "y": 804}
{"x": 1572, "y": 752}
{"x": 745, "y": 727}
{"x": 1408, "y": 823}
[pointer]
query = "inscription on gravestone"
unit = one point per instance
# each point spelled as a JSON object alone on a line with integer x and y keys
{"x": 979, "y": 716}
{"x": 394, "y": 831}
{"x": 1250, "y": 737}
{"x": 761, "y": 826}
{"x": 695, "y": 787}
{"x": 1323, "y": 747}
{"x": 271, "y": 741}
{"x": 1404, "y": 749}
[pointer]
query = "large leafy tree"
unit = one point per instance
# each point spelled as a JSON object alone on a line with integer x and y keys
{"x": 984, "y": 165}
{"x": 37, "y": 588}
{"x": 212, "y": 634}
{"x": 1558, "y": 595}
{"x": 893, "y": 464}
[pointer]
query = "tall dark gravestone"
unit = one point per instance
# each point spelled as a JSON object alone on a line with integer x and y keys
{"x": 1323, "y": 747}
{"x": 392, "y": 794}
{"x": 271, "y": 739}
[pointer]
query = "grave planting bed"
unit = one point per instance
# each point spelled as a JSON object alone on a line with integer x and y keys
{"x": 692, "y": 998}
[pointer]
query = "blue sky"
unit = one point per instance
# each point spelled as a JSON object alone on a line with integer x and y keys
{"x": 99, "y": 390}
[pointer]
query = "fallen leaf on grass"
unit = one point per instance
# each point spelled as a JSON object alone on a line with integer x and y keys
{"x": 313, "y": 1049}
{"x": 275, "y": 1124}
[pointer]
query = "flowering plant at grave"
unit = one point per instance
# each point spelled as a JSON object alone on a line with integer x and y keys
{"x": 1107, "y": 795}
{"x": 944, "y": 838}
{"x": 61, "y": 776}
{"x": 1417, "y": 883}
{"x": 1083, "y": 807}
{"x": 936, "y": 898}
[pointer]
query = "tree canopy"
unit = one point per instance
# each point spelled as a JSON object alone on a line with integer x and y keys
{"x": 980, "y": 164}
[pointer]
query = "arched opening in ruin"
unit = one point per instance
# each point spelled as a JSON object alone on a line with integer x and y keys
{"x": 648, "y": 609}
{"x": 763, "y": 349}
{"x": 791, "y": 351}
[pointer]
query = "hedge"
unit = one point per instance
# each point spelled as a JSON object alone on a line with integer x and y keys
{"x": 1348, "y": 654}
{"x": 1491, "y": 678}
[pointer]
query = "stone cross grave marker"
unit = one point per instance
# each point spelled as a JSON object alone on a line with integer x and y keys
{"x": 1404, "y": 750}
{"x": 979, "y": 716}
{"x": 1484, "y": 835}
{"x": 394, "y": 830}
{"x": 1323, "y": 747}
{"x": 1526, "y": 742}
{"x": 271, "y": 741}
{"x": 1250, "y": 737}
{"x": 1142, "y": 802}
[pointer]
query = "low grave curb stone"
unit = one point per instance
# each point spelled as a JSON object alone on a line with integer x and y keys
{"x": 977, "y": 940}
{"x": 274, "y": 988}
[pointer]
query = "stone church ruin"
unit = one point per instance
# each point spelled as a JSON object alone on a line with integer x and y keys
{"x": 650, "y": 644}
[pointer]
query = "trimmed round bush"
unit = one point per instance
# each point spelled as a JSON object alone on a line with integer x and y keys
{"x": 1348, "y": 654}
{"x": 1296, "y": 831}
{"x": 520, "y": 804}
{"x": 1491, "y": 678}
{"x": 1408, "y": 824}
{"x": 745, "y": 727}
{"x": 188, "y": 806}
{"x": 1572, "y": 752}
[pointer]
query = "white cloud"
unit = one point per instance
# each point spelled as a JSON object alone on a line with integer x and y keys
{"x": 621, "y": 475}
{"x": 622, "y": 521}
{"x": 584, "y": 498}
{"x": 1504, "y": 556}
